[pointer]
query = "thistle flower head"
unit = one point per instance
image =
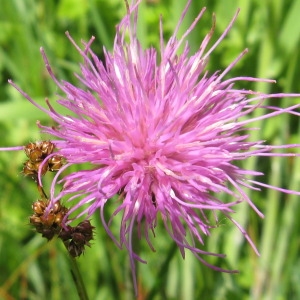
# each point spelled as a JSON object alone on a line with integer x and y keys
{"x": 161, "y": 132}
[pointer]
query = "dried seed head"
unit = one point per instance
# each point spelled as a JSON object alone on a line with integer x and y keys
{"x": 35, "y": 220}
{"x": 46, "y": 147}
{"x": 32, "y": 168}
{"x": 39, "y": 207}
{"x": 37, "y": 153}
{"x": 49, "y": 222}
{"x": 29, "y": 148}
{"x": 76, "y": 238}
{"x": 66, "y": 233}
{"x": 55, "y": 163}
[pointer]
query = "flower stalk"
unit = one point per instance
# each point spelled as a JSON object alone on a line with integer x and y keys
{"x": 77, "y": 278}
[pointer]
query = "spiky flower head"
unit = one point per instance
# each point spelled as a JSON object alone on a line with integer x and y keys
{"x": 160, "y": 132}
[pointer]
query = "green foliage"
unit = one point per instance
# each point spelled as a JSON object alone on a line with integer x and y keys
{"x": 32, "y": 269}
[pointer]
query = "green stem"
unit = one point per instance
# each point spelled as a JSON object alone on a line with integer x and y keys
{"x": 78, "y": 279}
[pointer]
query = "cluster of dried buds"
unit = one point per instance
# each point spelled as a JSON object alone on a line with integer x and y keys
{"x": 76, "y": 238}
{"x": 48, "y": 222}
{"x": 37, "y": 153}
{"x": 48, "y": 219}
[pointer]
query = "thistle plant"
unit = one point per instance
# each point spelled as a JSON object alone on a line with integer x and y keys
{"x": 159, "y": 131}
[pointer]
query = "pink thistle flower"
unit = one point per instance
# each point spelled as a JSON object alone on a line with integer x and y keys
{"x": 164, "y": 136}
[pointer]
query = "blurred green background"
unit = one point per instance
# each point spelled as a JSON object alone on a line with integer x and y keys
{"x": 31, "y": 268}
